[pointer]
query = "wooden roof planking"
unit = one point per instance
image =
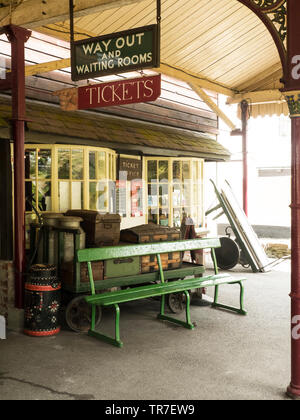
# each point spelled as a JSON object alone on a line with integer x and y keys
{"x": 226, "y": 48}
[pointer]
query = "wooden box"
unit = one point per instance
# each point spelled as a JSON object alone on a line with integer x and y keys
{"x": 68, "y": 277}
{"x": 100, "y": 229}
{"x": 150, "y": 233}
{"x": 168, "y": 261}
{"x": 154, "y": 233}
{"x": 122, "y": 267}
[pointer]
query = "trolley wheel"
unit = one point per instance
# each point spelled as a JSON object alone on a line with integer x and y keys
{"x": 244, "y": 261}
{"x": 228, "y": 255}
{"x": 79, "y": 315}
{"x": 176, "y": 302}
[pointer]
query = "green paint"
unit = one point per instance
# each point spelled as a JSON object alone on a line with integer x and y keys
{"x": 115, "y": 53}
{"x": 107, "y": 253}
{"x": 161, "y": 288}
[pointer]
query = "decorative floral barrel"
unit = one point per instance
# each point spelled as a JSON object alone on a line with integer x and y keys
{"x": 42, "y": 301}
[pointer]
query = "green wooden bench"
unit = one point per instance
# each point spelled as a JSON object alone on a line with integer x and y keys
{"x": 160, "y": 288}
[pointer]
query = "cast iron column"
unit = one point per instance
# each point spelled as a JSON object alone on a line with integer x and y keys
{"x": 291, "y": 90}
{"x": 245, "y": 115}
{"x": 17, "y": 37}
{"x": 294, "y": 388}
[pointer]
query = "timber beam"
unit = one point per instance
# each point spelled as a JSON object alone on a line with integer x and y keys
{"x": 258, "y": 97}
{"x": 35, "y": 13}
{"x": 195, "y": 79}
{"x": 213, "y": 106}
{"x": 47, "y": 67}
{"x": 163, "y": 69}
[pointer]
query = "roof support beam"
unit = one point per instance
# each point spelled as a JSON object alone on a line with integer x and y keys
{"x": 35, "y": 13}
{"x": 47, "y": 67}
{"x": 200, "y": 92}
{"x": 195, "y": 79}
{"x": 258, "y": 97}
{"x": 163, "y": 69}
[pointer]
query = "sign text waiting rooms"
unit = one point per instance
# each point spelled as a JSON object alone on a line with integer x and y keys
{"x": 142, "y": 89}
{"x": 115, "y": 53}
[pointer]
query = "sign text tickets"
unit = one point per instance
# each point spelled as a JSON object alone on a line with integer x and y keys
{"x": 120, "y": 52}
{"x": 123, "y": 92}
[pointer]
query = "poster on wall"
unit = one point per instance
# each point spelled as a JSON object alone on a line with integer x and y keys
{"x": 121, "y": 198}
{"x": 137, "y": 198}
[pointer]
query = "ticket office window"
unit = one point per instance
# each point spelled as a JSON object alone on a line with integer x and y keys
{"x": 175, "y": 189}
{"x": 70, "y": 163}
{"x": 38, "y": 181}
{"x": 63, "y": 177}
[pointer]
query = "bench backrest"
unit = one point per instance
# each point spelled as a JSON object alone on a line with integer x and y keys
{"x": 111, "y": 252}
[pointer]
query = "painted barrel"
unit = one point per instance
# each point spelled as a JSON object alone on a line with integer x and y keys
{"x": 42, "y": 301}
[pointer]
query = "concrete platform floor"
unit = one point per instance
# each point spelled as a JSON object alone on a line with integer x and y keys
{"x": 226, "y": 357}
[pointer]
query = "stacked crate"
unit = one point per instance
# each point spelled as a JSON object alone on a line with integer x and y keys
{"x": 150, "y": 233}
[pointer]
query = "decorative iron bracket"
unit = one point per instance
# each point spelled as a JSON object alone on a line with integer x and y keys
{"x": 273, "y": 13}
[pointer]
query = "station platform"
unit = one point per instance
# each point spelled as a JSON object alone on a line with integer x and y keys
{"x": 227, "y": 357}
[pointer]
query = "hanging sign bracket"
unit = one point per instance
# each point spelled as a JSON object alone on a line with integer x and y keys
{"x": 116, "y": 53}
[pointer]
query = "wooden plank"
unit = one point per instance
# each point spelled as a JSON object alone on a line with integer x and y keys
{"x": 47, "y": 67}
{"x": 176, "y": 73}
{"x": 213, "y": 106}
{"x": 190, "y": 37}
{"x": 108, "y": 253}
{"x": 194, "y": 78}
{"x": 34, "y": 13}
{"x": 271, "y": 74}
{"x": 258, "y": 97}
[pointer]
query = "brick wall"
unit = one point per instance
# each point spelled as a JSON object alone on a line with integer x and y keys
{"x": 6, "y": 287}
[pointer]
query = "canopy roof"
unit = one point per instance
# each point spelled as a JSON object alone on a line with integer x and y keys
{"x": 49, "y": 124}
{"x": 218, "y": 45}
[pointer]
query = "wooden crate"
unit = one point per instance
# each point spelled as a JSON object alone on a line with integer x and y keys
{"x": 154, "y": 233}
{"x": 168, "y": 261}
{"x": 100, "y": 229}
{"x": 150, "y": 233}
{"x": 122, "y": 267}
{"x": 68, "y": 277}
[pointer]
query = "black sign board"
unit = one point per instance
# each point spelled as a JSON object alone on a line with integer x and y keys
{"x": 132, "y": 167}
{"x": 119, "y": 52}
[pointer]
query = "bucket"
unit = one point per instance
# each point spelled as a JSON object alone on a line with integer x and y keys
{"x": 42, "y": 301}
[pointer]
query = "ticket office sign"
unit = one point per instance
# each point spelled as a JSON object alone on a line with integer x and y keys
{"x": 120, "y": 52}
{"x": 122, "y": 92}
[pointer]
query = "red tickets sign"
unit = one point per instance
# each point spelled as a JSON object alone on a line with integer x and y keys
{"x": 130, "y": 91}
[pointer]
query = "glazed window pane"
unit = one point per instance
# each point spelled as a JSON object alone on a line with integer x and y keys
{"x": 77, "y": 164}
{"x": 44, "y": 164}
{"x": 64, "y": 164}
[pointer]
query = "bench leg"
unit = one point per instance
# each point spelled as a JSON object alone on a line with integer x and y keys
{"x": 188, "y": 324}
{"x": 110, "y": 340}
{"x": 240, "y": 310}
